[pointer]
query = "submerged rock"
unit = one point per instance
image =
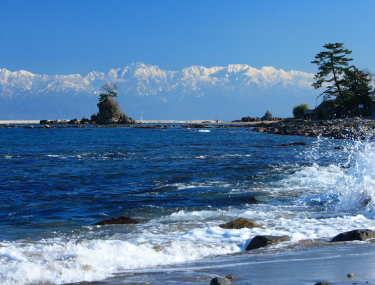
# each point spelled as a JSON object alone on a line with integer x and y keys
{"x": 360, "y": 235}
{"x": 294, "y": 144}
{"x": 252, "y": 199}
{"x": 339, "y": 147}
{"x": 239, "y": 224}
{"x": 118, "y": 221}
{"x": 231, "y": 276}
{"x": 261, "y": 241}
{"x": 220, "y": 281}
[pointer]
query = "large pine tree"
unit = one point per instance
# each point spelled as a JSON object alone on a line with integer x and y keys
{"x": 332, "y": 65}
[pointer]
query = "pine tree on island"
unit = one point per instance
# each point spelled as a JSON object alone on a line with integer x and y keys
{"x": 109, "y": 110}
{"x": 347, "y": 88}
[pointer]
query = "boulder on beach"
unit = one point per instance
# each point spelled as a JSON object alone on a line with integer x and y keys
{"x": 360, "y": 235}
{"x": 239, "y": 224}
{"x": 220, "y": 281}
{"x": 261, "y": 241}
{"x": 118, "y": 221}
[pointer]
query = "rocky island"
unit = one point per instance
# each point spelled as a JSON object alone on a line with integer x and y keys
{"x": 109, "y": 111}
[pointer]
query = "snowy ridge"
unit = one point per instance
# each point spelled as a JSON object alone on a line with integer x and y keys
{"x": 139, "y": 81}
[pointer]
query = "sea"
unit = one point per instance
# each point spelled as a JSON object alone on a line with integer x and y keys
{"x": 181, "y": 184}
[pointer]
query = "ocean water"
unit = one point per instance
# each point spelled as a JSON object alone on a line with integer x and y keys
{"x": 181, "y": 184}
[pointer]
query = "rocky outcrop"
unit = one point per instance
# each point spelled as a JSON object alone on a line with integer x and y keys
{"x": 353, "y": 128}
{"x": 110, "y": 113}
{"x": 239, "y": 224}
{"x": 360, "y": 235}
{"x": 261, "y": 241}
{"x": 74, "y": 121}
{"x": 85, "y": 121}
{"x": 267, "y": 116}
{"x": 118, "y": 221}
{"x": 249, "y": 119}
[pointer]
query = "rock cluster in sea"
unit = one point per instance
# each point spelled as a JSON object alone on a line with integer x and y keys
{"x": 351, "y": 128}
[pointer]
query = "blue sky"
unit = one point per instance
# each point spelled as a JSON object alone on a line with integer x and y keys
{"x": 69, "y": 37}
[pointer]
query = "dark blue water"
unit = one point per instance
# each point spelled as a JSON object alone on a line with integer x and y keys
{"x": 61, "y": 178}
{"x": 180, "y": 183}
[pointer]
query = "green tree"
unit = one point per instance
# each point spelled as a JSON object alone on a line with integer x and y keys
{"x": 299, "y": 110}
{"x": 110, "y": 89}
{"x": 332, "y": 65}
{"x": 359, "y": 89}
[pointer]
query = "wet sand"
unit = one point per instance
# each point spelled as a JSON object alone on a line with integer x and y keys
{"x": 307, "y": 265}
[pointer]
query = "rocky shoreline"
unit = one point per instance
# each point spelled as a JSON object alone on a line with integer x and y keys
{"x": 351, "y": 128}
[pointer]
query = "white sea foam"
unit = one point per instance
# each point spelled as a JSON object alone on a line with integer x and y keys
{"x": 321, "y": 201}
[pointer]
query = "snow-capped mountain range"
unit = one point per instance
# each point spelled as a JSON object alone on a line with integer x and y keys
{"x": 195, "y": 92}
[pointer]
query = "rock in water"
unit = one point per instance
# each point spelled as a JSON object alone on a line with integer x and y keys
{"x": 252, "y": 199}
{"x": 220, "y": 281}
{"x": 239, "y": 224}
{"x": 110, "y": 113}
{"x": 361, "y": 235}
{"x": 261, "y": 241}
{"x": 118, "y": 221}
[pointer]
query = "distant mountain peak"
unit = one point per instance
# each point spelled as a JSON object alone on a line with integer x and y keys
{"x": 190, "y": 93}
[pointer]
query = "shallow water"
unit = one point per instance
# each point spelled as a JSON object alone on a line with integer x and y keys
{"x": 180, "y": 183}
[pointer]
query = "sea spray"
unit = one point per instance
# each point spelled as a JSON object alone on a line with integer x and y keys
{"x": 357, "y": 187}
{"x": 181, "y": 185}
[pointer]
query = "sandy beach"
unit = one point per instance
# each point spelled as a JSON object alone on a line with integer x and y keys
{"x": 305, "y": 265}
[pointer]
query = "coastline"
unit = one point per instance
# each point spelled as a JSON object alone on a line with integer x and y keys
{"x": 350, "y": 128}
{"x": 306, "y": 265}
{"x": 302, "y": 187}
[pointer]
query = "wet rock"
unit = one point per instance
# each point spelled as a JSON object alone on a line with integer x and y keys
{"x": 294, "y": 144}
{"x": 74, "y": 121}
{"x": 360, "y": 235}
{"x": 118, "y": 221}
{"x": 339, "y": 147}
{"x": 239, "y": 224}
{"x": 261, "y": 130}
{"x": 252, "y": 199}
{"x": 158, "y": 248}
{"x": 85, "y": 121}
{"x": 220, "y": 281}
{"x": 261, "y": 241}
{"x": 231, "y": 276}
